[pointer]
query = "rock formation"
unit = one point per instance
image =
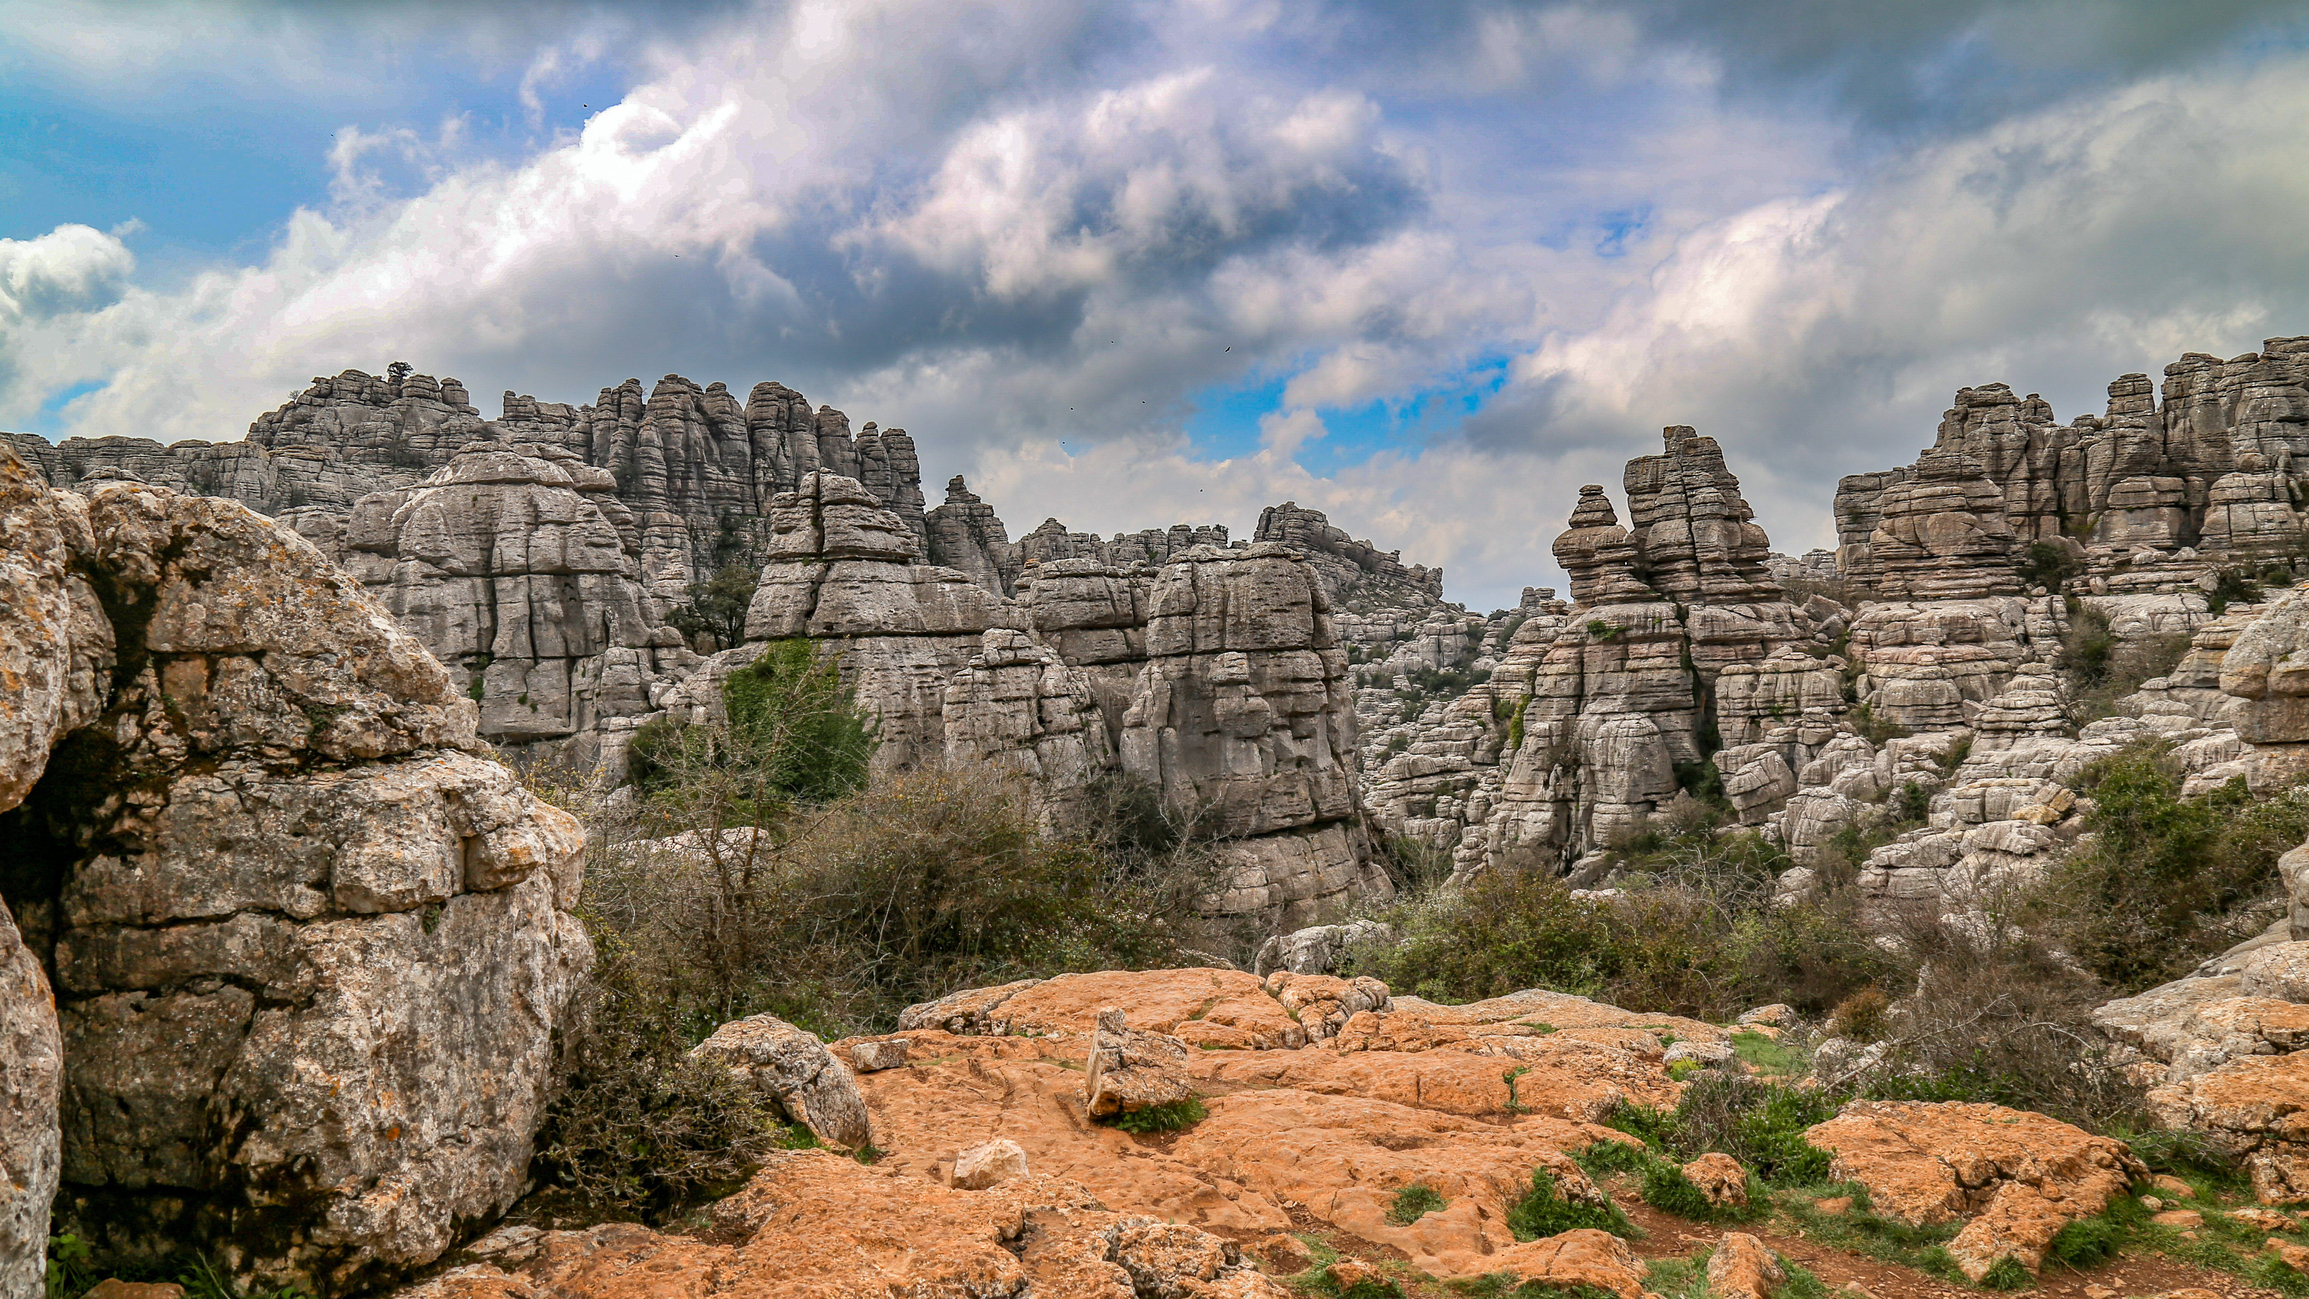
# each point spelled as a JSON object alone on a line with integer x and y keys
{"x": 1217, "y": 679}
{"x": 2205, "y": 478}
{"x": 310, "y": 949}
{"x": 1356, "y": 574}
{"x": 516, "y": 566}
{"x": 1679, "y": 641}
{"x": 964, "y": 535}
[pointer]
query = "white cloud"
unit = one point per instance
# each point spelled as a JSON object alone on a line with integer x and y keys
{"x": 72, "y": 268}
{"x": 1030, "y": 231}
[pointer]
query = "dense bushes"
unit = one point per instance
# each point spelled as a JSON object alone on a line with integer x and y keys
{"x": 2162, "y": 880}
{"x": 1699, "y": 938}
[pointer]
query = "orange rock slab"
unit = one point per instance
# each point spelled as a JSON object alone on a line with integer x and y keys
{"x": 1927, "y": 1162}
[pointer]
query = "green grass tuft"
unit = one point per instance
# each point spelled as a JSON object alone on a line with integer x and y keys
{"x": 1161, "y": 1118}
{"x": 1414, "y": 1202}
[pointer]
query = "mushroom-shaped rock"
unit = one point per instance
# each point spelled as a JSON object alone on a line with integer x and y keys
{"x": 795, "y": 1070}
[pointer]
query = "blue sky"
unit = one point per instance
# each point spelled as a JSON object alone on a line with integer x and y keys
{"x": 1427, "y": 267}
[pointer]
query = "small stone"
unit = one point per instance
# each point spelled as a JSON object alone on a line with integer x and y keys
{"x": 877, "y": 1054}
{"x": 2291, "y": 1255}
{"x": 1855, "y": 1290}
{"x": 1348, "y": 1273}
{"x": 2152, "y": 1203}
{"x": 1742, "y": 1268}
{"x": 1778, "y": 1015}
{"x": 989, "y": 1164}
{"x": 1720, "y": 1178}
{"x": 2262, "y": 1219}
{"x": 2173, "y": 1186}
{"x": 2099, "y": 1291}
{"x": 2179, "y": 1219}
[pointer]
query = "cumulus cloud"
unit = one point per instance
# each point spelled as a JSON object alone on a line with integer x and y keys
{"x": 72, "y": 268}
{"x": 1033, "y": 232}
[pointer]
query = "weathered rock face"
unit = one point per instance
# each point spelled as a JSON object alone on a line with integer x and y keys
{"x": 1678, "y": 640}
{"x": 1356, "y": 574}
{"x": 1217, "y": 679}
{"x": 516, "y": 566}
{"x": 2148, "y": 495}
{"x": 311, "y": 951}
{"x": 841, "y": 572}
{"x": 965, "y": 536}
{"x": 689, "y": 463}
{"x": 1157, "y": 546}
{"x": 1243, "y": 705}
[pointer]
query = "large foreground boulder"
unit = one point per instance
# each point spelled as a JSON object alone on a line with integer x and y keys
{"x": 310, "y": 948}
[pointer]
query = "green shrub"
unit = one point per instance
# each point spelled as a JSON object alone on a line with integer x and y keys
{"x": 1543, "y": 1211}
{"x": 793, "y": 734}
{"x": 2006, "y": 1274}
{"x": 2049, "y": 565}
{"x": 2086, "y": 1241}
{"x": 1668, "y": 1190}
{"x": 2161, "y": 879}
{"x": 1173, "y": 1117}
{"x": 1367, "y": 1288}
{"x": 1702, "y": 941}
{"x": 716, "y": 610}
{"x": 71, "y": 1269}
{"x": 641, "y": 1131}
{"x": 1414, "y": 1202}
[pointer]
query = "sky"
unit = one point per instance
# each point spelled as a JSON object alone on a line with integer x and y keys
{"x": 1428, "y": 267}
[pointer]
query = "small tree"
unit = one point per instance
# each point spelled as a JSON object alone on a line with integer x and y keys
{"x": 717, "y": 609}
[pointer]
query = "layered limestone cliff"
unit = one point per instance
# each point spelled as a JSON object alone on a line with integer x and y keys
{"x": 518, "y": 566}
{"x": 310, "y": 947}
{"x": 695, "y": 467}
{"x": 2143, "y": 498}
{"x": 1678, "y": 643}
{"x": 1216, "y": 678}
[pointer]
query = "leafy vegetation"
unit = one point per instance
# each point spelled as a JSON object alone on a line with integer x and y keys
{"x": 1173, "y": 1117}
{"x": 2163, "y": 879}
{"x": 1545, "y": 1211}
{"x": 1412, "y": 1203}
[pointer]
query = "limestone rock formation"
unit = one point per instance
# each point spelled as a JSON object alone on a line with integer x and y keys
{"x": 1155, "y": 546}
{"x": 311, "y": 950}
{"x": 794, "y": 1070}
{"x": 840, "y": 571}
{"x": 516, "y": 565}
{"x": 964, "y": 535}
{"x": 1356, "y": 574}
{"x": 1131, "y": 1069}
{"x": 1678, "y": 640}
{"x": 1929, "y": 1162}
{"x": 814, "y": 1223}
{"x": 2145, "y": 497}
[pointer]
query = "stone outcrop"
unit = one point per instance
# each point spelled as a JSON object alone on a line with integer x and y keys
{"x": 1592, "y": 719}
{"x": 310, "y": 949}
{"x": 840, "y": 571}
{"x": 682, "y": 459}
{"x": 2145, "y": 497}
{"x": 964, "y": 535}
{"x": 817, "y": 1224}
{"x": 1156, "y": 546}
{"x": 518, "y": 567}
{"x": 795, "y": 1072}
{"x": 1927, "y": 1162}
{"x": 1356, "y": 574}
